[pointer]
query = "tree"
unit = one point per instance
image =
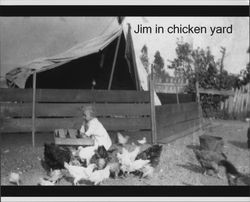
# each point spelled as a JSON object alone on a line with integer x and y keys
{"x": 193, "y": 64}
{"x": 144, "y": 58}
{"x": 158, "y": 65}
{"x": 182, "y": 65}
{"x": 246, "y": 73}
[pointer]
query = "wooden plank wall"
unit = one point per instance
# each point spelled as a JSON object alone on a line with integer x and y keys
{"x": 171, "y": 98}
{"x": 175, "y": 121}
{"x": 126, "y": 111}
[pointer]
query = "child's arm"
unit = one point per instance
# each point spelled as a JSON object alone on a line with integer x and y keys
{"x": 91, "y": 129}
{"x": 82, "y": 129}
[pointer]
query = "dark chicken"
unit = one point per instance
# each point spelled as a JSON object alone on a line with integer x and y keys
{"x": 55, "y": 156}
{"x": 209, "y": 160}
{"x": 152, "y": 153}
{"x": 100, "y": 153}
{"x": 234, "y": 177}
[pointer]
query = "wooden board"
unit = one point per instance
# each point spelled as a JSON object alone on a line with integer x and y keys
{"x": 167, "y": 115}
{"x": 15, "y": 95}
{"x": 170, "y": 98}
{"x": 74, "y": 96}
{"x": 50, "y": 124}
{"x": 74, "y": 141}
{"x": 72, "y": 110}
{"x": 171, "y": 109}
{"x": 190, "y": 131}
{"x": 216, "y": 92}
{"x": 171, "y": 130}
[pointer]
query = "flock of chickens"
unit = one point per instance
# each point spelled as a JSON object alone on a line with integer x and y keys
{"x": 93, "y": 164}
{"x": 210, "y": 161}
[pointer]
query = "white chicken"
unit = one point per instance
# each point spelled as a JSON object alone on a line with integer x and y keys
{"x": 122, "y": 139}
{"x": 147, "y": 171}
{"x": 134, "y": 153}
{"x": 138, "y": 164}
{"x": 86, "y": 153}
{"x": 44, "y": 182}
{"x": 127, "y": 160}
{"x": 55, "y": 175}
{"x": 79, "y": 172}
{"x": 114, "y": 168}
{"x": 127, "y": 157}
{"x": 14, "y": 178}
{"x": 142, "y": 141}
{"x": 99, "y": 175}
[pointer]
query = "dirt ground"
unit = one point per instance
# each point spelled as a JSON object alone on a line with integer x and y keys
{"x": 178, "y": 165}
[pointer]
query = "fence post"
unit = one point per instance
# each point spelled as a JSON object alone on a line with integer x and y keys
{"x": 34, "y": 110}
{"x": 198, "y": 97}
{"x": 152, "y": 106}
{"x": 176, "y": 91}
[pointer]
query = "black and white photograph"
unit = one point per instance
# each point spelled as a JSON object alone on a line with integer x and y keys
{"x": 124, "y": 101}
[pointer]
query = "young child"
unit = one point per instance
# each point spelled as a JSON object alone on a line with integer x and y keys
{"x": 92, "y": 127}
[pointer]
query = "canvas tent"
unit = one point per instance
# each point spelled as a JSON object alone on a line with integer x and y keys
{"x": 88, "y": 59}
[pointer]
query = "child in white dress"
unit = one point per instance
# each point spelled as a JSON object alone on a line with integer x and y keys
{"x": 93, "y": 128}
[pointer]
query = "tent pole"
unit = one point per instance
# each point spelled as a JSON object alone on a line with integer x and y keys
{"x": 114, "y": 61}
{"x": 34, "y": 109}
{"x": 152, "y": 106}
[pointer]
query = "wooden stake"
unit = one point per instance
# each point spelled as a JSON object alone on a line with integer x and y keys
{"x": 114, "y": 62}
{"x": 198, "y": 97}
{"x": 176, "y": 91}
{"x": 34, "y": 110}
{"x": 152, "y": 107}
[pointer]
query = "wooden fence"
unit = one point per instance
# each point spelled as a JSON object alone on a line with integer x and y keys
{"x": 177, "y": 120}
{"x": 130, "y": 112}
{"x": 171, "y": 98}
{"x": 238, "y": 104}
{"x": 126, "y": 111}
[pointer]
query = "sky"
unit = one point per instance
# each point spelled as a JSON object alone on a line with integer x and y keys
{"x": 23, "y": 39}
{"x": 236, "y": 43}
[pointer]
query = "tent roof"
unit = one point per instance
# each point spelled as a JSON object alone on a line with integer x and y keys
{"x": 86, "y": 47}
{"x": 44, "y": 43}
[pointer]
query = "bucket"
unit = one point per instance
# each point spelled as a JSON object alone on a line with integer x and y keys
{"x": 212, "y": 143}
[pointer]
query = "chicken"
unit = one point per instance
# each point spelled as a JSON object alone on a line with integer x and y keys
{"x": 44, "y": 182}
{"x": 126, "y": 157}
{"x": 138, "y": 164}
{"x": 100, "y": 153}
{"x": 55, "y": 156}
{"x": 14, "y": 178}
{"x": 55, "y": 176}
{"x": 142, "y": 141}
{"x": 147, "y": 171}
{"x": 101, "y": 163}
{"x": 234, "y": 177}
{"x": 153, "y": 154}
{"x": 114, "y": 169}
{"x": 79, "y": 172}
{"x": 99, "y": 175}
{"x": 122, "y": 139}
{"x": 86, "y": 153}
{"x": 128, "y": 162}
{"x": 209, "y": 160}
